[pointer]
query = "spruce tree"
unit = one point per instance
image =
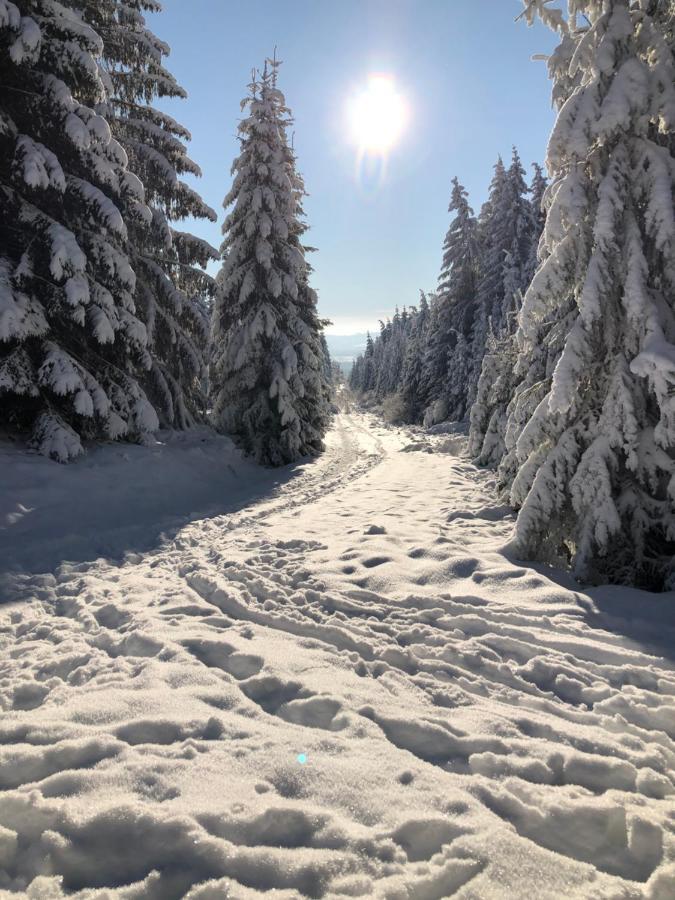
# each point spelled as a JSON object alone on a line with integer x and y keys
{"x": 72, "y": 347}
{"x": 172, "y": 288}
{"x": 267, "y": 376}
{"x": 594, "y": 472}
{"x": 494, "y": 240}
{"x": 453, "y": 321}
{"x": 356, "y": 375}
{"x": 520, "y": 226}
{"x": 538, "y": 187}
{"x": 522, "y": 223}
{"x": 369, "y": 372}
{"x": 506, "y": 230}
{"x": 496, "y": 385}
{"x": 412, "y": 376}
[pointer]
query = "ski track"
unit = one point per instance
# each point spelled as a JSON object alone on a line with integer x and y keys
{"x": 470, "y": 726}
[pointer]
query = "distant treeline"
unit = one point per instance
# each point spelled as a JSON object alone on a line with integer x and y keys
{"x": 426, "y": 361}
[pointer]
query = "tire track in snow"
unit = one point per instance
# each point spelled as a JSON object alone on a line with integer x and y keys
{"x": 338, "y": 467}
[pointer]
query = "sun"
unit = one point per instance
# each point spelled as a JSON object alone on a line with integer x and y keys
{"x": 377, "y": 115}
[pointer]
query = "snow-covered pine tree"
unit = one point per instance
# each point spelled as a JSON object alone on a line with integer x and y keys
{"x": 267, "y": 377}
{"x": 534, "y": 367}
{"x": 520, "y": 232}
{"x": 309, "y": 337}
{"x": 412, "y": 376}
{"x": 523, "y": 222}
{"x": 390, "y": 354}
{"x": 327, "y": 362}
{"x": 538, "y": 187}
{"x": 506, "y": 229}
{"x": 380, "y": 358}
{"x": 355, "y": 379}
{"x": 429, "y": 382}
{"x": 453, "y": 319}
{"x": 369, "y": 373}
{"x": 172, "y": 288}
{"x": 493, "y": 238}
{"x": 362, "y": 376}
{"x": 596, "y": 458}
{"x": 496, "y": 385}
{"x": 71, "y": 344}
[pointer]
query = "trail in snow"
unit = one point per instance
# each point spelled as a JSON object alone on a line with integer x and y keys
{"x": 341, "y": 689}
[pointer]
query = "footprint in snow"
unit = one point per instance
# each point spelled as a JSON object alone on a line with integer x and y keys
{"x": 374, "y": 561}
{"x": 219, "y": 655}
{"x": 375, "y": 529}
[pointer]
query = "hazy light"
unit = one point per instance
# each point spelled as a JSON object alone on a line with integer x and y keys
{"x": 377, "y": 115}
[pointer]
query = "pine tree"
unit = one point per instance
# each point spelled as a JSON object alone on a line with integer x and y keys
{"x": 538, "y": 187}
{"x": 412, "y": 376}
{"x": 496, "y": 385}
{"x": 172, "y": 287}
{"x": 595, "y": 461}
{"x": 453, "y": 319}
{"x": 506, "y": 229}
{"x": 267, "y": 376}
{"x": 520, "y": 227}
{"x": 389, "y": 355}
{"x": 355, "y": 379}
{"x": 379, "y": 358}
{"x": 326, "y": 362}
{"x": 522, "y": 223}
{"x": 494, "y": 240}
{"x": 369, "y": 373}
{"x": 72, "y": 347}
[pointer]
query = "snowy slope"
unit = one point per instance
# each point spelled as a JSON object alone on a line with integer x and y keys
{"x": 338, "y": 687}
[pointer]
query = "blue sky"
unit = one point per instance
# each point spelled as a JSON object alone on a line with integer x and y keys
{"x": 473, "y": 91}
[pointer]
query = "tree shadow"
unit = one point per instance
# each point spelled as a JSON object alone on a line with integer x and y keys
{"x": 120, "y": 499}
{"x": 647, "y": 620}
{"x": 644, "y": 619}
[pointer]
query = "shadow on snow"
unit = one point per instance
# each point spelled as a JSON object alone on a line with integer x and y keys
{"x": 119, "y": 499}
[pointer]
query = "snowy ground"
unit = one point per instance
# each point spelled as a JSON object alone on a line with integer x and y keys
{"x": 325, "y": 682}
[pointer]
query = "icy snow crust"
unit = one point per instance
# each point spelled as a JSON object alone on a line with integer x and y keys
{"x": 324, "y": 682}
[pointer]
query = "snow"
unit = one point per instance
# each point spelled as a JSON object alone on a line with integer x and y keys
{"x": 27, "y": 45}
{"x": 38, "y": 166}
{"x": 327, "y": 680}
{"x": 66, "y": 255}
{"x": 101, "y": 206}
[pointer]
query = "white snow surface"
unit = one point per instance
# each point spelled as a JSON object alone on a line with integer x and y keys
{"x": 322, "y": 681}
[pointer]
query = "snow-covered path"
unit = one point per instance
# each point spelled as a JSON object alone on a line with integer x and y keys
{"x": 342, "y": 689}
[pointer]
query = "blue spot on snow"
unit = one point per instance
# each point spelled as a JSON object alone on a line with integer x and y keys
{"x": 302, "y": 758}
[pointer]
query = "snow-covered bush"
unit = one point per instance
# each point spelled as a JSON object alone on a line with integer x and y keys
{"x": 394, "y": 409}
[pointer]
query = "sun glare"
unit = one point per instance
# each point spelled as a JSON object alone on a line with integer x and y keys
{"x": 377, "y": 115}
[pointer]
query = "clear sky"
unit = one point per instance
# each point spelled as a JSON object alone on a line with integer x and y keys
{"x": 472, "y": 91}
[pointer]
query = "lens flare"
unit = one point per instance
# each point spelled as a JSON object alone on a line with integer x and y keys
{"x": 377, "y": 115}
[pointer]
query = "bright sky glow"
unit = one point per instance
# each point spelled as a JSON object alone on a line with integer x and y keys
{"x": 377, "y": 115}
{"x": 469, "y": 91}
